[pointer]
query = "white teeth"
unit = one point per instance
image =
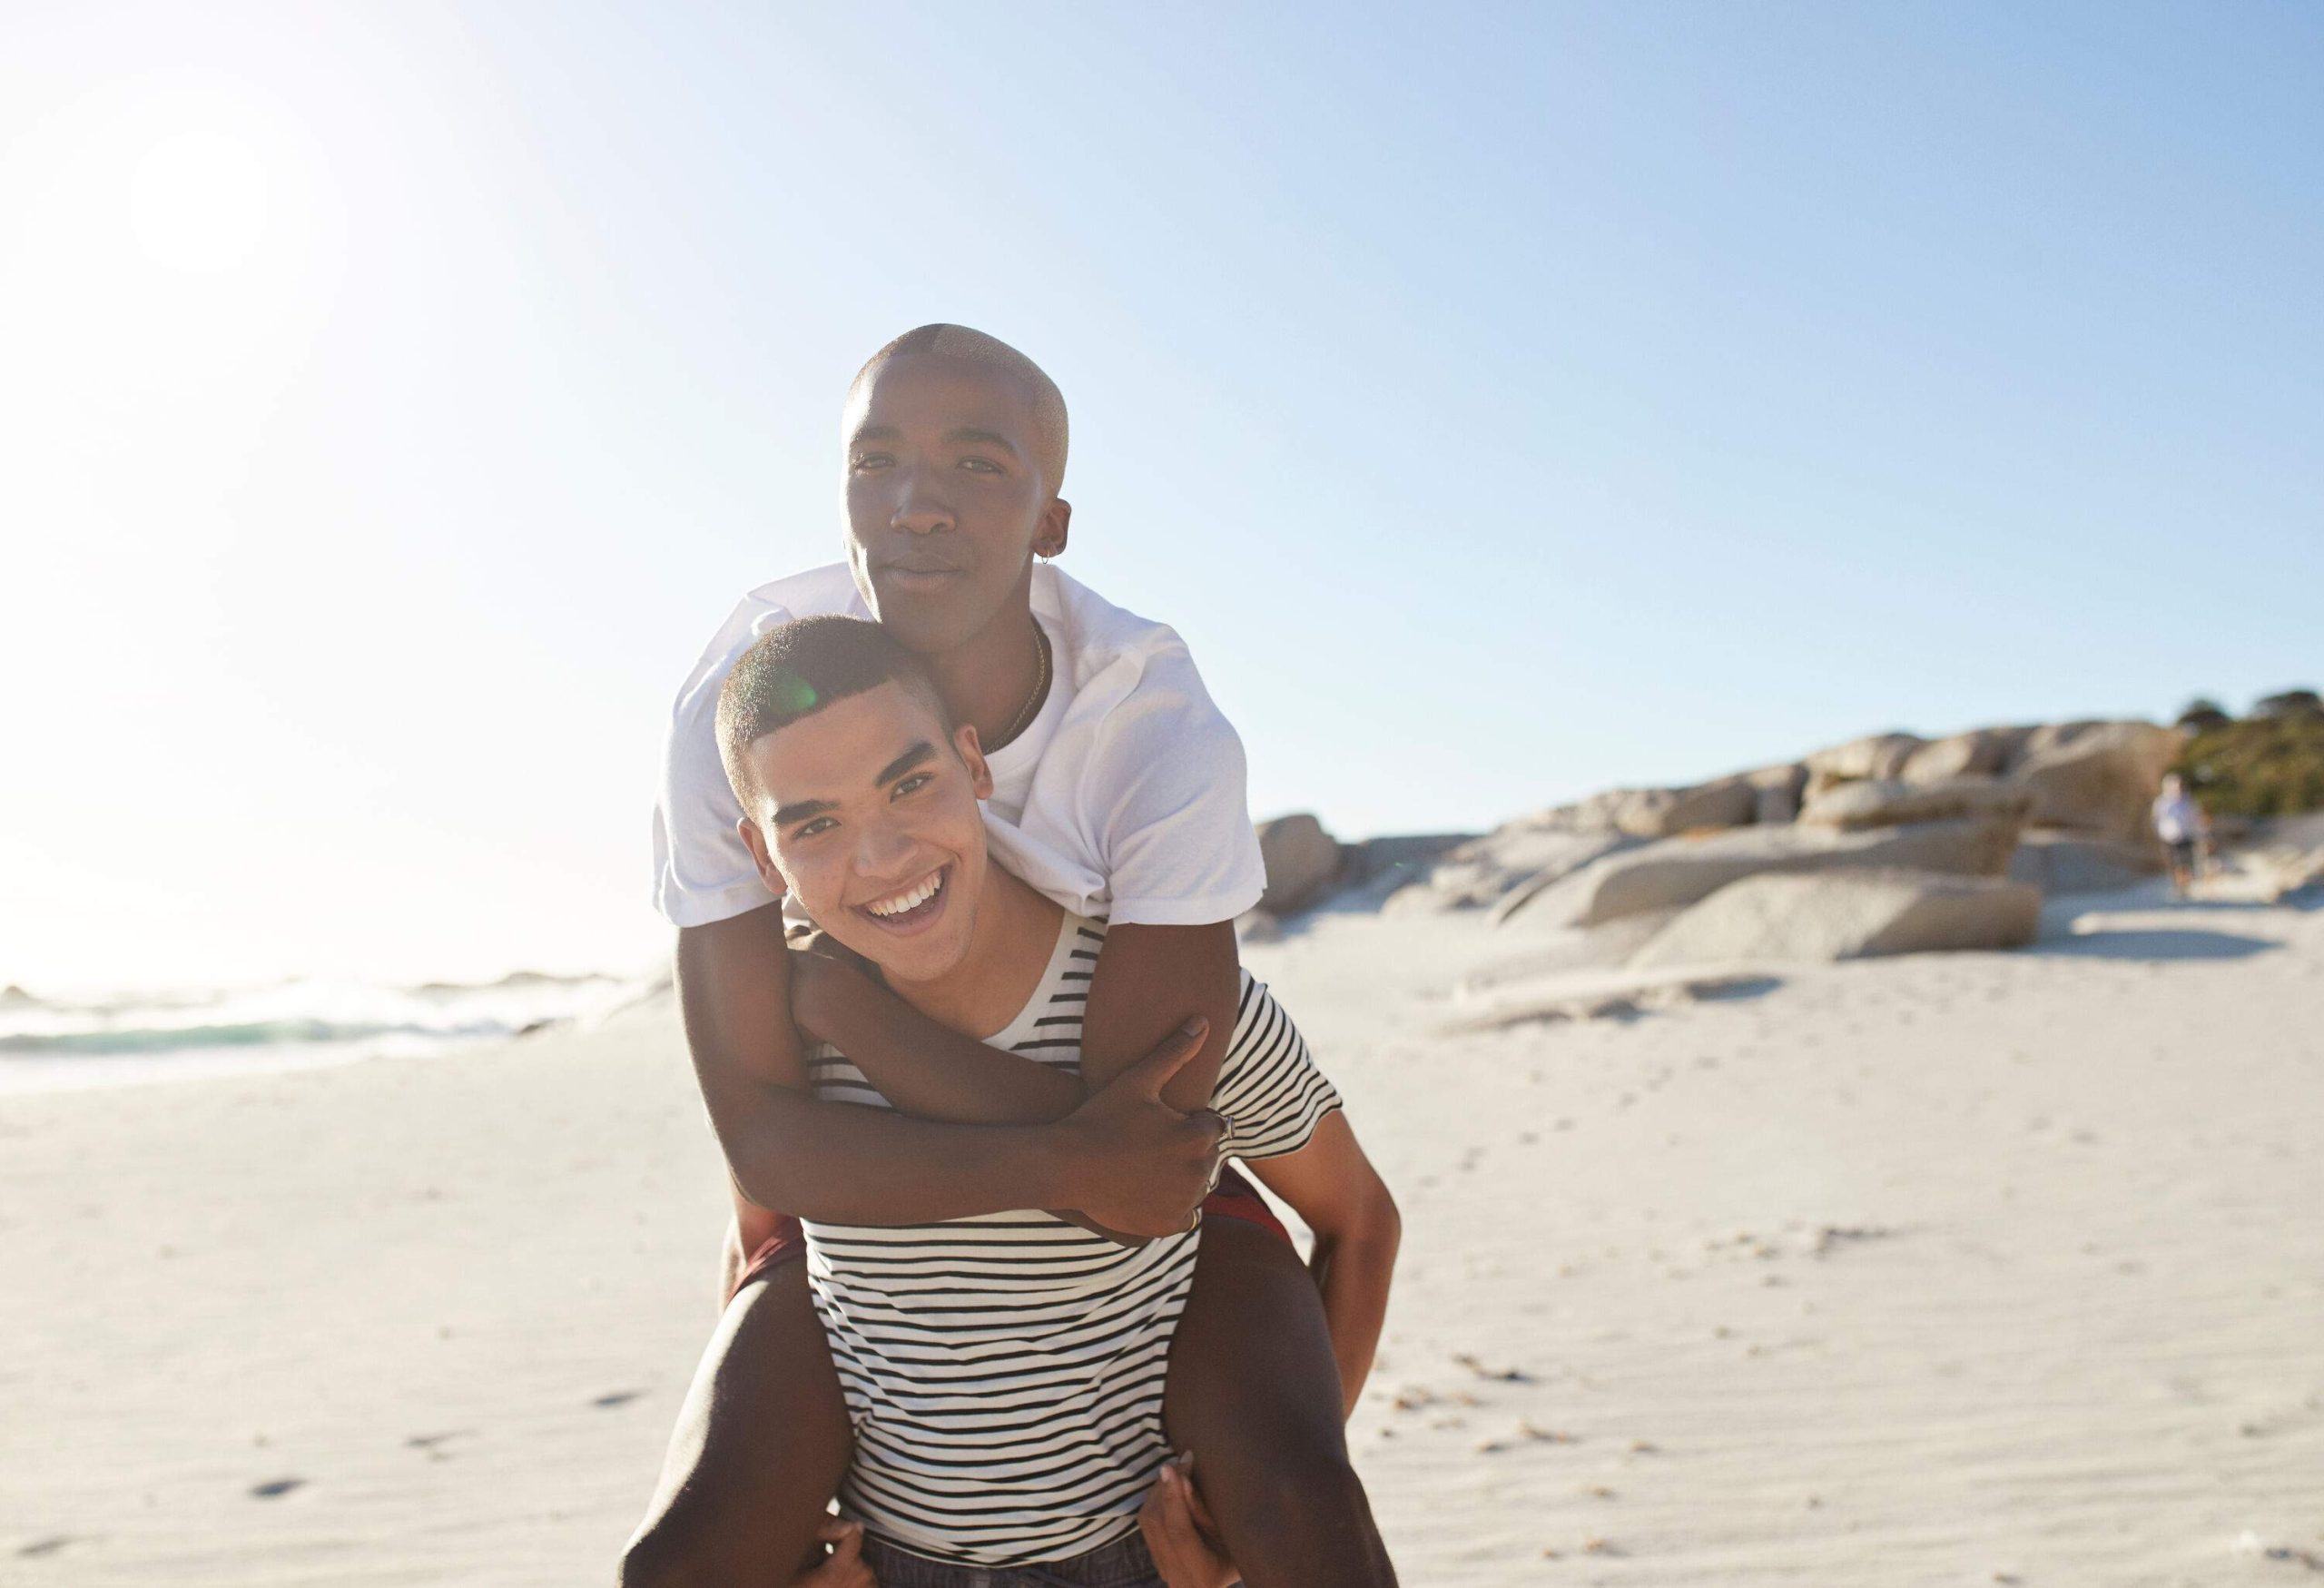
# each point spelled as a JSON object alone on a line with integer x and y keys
{"x": 911, "y": 901}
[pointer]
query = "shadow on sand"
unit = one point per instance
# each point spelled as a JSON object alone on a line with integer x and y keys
{"x": 2155, "y": 943}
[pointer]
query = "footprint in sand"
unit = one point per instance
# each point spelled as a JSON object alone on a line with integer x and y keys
{"x": 1499, "y": 1375}
{"x": 2281, "y": 1420}
{"x": 2251, "y": 1543}
{"x": 619, "y": 1397}
{"x": 275, "y": 1488}
{"x": 433, "y": 1444}
{"x": 44, "y": 1546}
{"x": 1833, "y": 1237}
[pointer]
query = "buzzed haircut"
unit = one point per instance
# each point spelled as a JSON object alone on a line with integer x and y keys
{"x": 795, "y": 669}
{"x": 959, "y": 341}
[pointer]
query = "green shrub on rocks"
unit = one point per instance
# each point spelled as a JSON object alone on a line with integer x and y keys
{"x": 2270, "y": 765}
{"x": 2297, "y": 703}
{"x": 2203, "y": 716}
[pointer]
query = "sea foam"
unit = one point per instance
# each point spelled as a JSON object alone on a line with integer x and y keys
{"x": 47, "y": 1044}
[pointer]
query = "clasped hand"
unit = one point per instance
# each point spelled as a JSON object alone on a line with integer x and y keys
{"x": 1125, "y": 1159}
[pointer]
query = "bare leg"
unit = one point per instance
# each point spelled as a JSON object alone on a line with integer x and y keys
{"x": 761, "y": 1445}
{"x": 1254, "y": 1394}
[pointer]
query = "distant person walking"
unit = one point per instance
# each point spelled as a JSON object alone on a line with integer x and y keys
{"x": 2184, "y": 830}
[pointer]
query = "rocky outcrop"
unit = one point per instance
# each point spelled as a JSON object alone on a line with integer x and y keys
{"x": 1377, "y": 869}
{"x": 1877, "y": 756}
{"x": 1776, "y": 793}
{"x": 1664, "y": 812}
{"x": 1956, "y": 805}
{"x": 2285, "y": 859}
{"x": 1846, "y": 916}
{"x": 1654, "y": 812}
{"x": 1549, "y": 876}
{"x": 2050, "y": 736}
{"x": 1679, "y": 871}
{"x": 2100, "y": 779}
{"x": 1483, "y": 871}
{"x": 2072, "y": 862}
{"x": 1979, "y": 752}
{"x": 1854, "y": 807}
{"x": 1303, "y": 862}
{"x": 1619, "y": 995}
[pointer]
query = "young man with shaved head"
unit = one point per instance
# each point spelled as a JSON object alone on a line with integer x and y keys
{"x": 1117, "y": 793}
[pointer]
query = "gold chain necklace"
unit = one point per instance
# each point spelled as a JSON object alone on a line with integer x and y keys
{"x": 1041, "y": 690}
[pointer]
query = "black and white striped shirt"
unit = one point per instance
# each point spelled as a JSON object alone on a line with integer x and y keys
{"x": 1005, "y": 1373}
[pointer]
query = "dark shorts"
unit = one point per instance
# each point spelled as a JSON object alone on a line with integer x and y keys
{"x": 1123, "y": 1563}
{"x": 2182, "y": 854}
{"x": 1236, "y": 1198}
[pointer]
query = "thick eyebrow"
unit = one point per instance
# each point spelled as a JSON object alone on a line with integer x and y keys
{"x": 966, "y": 436}
{"x": 786, "y": 814}
{"x": 904, "y": 763}
{"x": 920, "y": 751}
{"x": 876, "y": 433}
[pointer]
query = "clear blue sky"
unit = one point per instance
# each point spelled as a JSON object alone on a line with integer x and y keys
{"x": 1504, "y": 402}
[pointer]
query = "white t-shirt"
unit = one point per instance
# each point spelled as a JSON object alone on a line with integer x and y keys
{"x": 1124, "y": 798}
{"x": 2177, "y": 820}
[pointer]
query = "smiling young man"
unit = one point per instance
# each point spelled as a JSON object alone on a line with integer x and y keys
{"x": 1117, "y": 794}
{"x": 1004, "y": 1374}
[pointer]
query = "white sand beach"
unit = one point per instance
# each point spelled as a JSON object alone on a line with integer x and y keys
{"x": 1967, "y": 1269}
{"x": 1732, "y": 562}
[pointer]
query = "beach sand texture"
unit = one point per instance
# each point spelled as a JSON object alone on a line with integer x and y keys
{"x": 1978, "y": 1269}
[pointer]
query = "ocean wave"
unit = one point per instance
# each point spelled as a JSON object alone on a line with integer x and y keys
{"x": 250, "y": 1033}
{"x": 45, "y": 1043}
